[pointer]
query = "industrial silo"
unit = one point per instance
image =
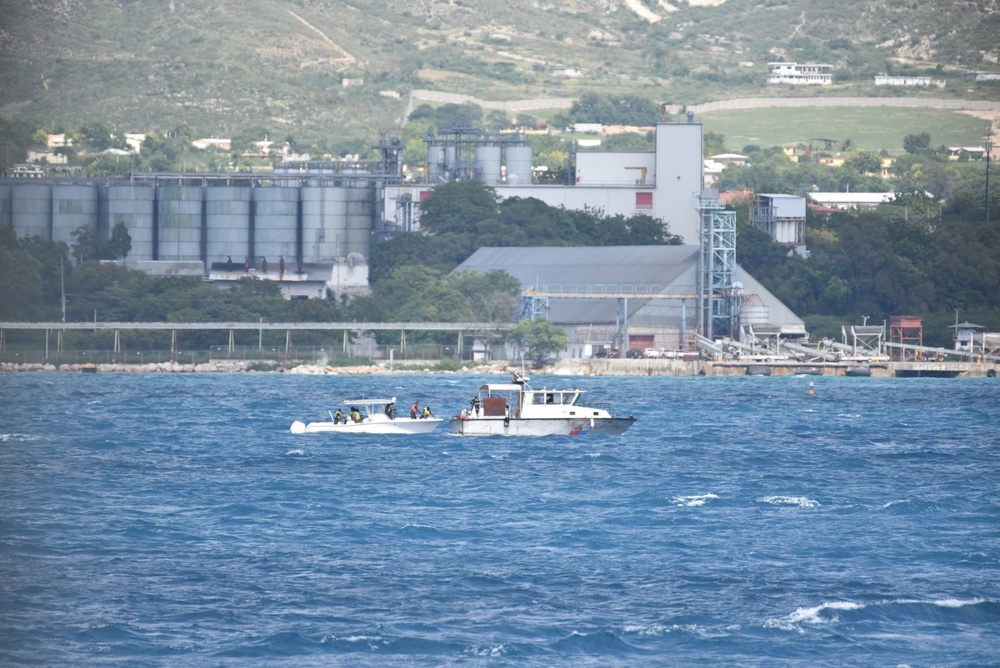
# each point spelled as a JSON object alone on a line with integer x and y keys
{"x": 436, "y": 164}
{"x": 6, "y": 192}
{"x": 488, "y": 164}
{"x": 754, "y": 311}
{"x": 275, "y": 221}
{"x": 284, "y": 176}
{"x": 519, "y": 165}
{"x": 73, "y": 207}
{"x": 360, "y": 206}
{"x": 31, "y": 210}
{"x": 179, "y": 222}
{"x": 227, "y": 223}
{"x": 324, "y": 223}
{"x": 132, "y": 205}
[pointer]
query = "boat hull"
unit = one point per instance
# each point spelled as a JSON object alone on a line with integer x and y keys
{"x": 614, "y": 426}
{"x": 399, "y": 426}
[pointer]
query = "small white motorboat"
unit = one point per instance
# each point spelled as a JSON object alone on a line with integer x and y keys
{"x": 515, "y": 409}
{"x": 369, "y": 417}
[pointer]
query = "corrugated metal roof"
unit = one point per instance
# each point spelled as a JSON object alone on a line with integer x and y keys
{"x": 594, "y": 265}
{"x": 674, "y": 267}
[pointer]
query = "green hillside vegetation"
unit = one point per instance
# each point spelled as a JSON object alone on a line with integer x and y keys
{"x": 220, "y": 67}
{"x": 871, "y": 129}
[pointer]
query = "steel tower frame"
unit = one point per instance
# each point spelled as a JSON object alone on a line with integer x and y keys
{"x": 719, "y": 294}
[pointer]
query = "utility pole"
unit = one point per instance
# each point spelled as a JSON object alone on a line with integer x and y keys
{"x": 989, "y": 149}
{"x": 62, "y": 288}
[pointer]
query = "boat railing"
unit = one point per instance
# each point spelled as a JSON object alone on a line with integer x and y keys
{"x": 602, "y": 405}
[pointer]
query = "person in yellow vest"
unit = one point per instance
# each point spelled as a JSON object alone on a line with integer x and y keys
{"x": 427, "y": 413}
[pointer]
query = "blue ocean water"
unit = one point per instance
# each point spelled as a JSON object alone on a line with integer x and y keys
{"x": 150, "y": 519}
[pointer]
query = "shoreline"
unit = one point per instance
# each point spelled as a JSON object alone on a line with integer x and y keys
{"x": 569, "y": 367}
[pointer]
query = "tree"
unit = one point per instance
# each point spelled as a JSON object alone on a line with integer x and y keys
{"x": 917, "y": 143}
{"x": 538, "y": 339}
{"x": 20, "y": 274}
{"x": 458, "y": 207}
{"x": 90, "y": 246}
{"x": 714, "y": 143}
{"x": 120, "y": 243}
{"x": 492, "y": 297}
{"x": 863, "y": 162}
{"x": 96, "y": 135}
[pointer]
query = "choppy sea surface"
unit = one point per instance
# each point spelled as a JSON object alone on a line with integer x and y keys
{"x": 164, "y": 520}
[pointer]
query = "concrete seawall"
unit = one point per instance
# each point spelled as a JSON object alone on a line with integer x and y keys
{"x": 588, "y": 367}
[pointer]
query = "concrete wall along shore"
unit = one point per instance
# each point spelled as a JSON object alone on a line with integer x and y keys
{"x": 565, "y": 367}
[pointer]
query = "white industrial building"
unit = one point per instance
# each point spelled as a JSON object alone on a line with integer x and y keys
{"x": 660, "y": 183}
{"x": 800, "y": 74}
{"x": 782, "y": 217}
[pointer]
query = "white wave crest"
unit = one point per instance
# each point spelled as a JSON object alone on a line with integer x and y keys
{"x": 800, "y": 501}
{"x": 296, "y": 451}
{"x": 693, "y": 501}
{"x": 825, "y": 613}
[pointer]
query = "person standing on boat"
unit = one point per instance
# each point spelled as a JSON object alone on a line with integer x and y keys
{"x": 475, "y": 405}
{"x": 427, "y": 413}
{"x": 414, "y": 410}
{"x": 337, "y": 418}
{"x": 355, "y": 414}
{"x": 390, "y": 410}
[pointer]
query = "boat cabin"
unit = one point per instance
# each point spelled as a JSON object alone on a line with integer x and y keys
{"x": 518, "y": 400}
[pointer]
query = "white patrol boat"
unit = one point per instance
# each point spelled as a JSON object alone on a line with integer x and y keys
{"x": 368, "y": 416}
{"x": 515, "y": 409}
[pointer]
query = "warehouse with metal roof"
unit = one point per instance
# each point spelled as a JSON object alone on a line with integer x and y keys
{"x": 625, "y": 297}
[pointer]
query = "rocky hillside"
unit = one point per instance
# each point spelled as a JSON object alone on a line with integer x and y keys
{"x": 322, "y": 67}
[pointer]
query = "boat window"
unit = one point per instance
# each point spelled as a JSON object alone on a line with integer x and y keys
{"x": 549, "y": 398}
{"x": 537, "y": 398}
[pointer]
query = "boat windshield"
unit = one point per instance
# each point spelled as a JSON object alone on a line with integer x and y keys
{"x": 546, "y": 397}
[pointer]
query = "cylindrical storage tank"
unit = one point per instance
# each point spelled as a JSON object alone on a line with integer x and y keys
{"x": 5, "y": 205}
{"x": 180, "y": 222}
{"x": 450, "y": 158}
{"x": 324, "y": 223}
{"x": 132, "y": 205}
{"x": 289, "y": 176}
{"x": 227, "y": 220}
{"x": 322, "y": 176}
{"x": 73, "y": 206}
{"x": 360, "y": 206}
{"x": 519, "y": 165}
{"x": 435, "y": 164}
{"x": 31, "y": 210}
{"x": 753, "y": 311}
{"x": 363, "y": 178}
{"x": 488, "y": 164}
{"x": 274, "y": 223}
